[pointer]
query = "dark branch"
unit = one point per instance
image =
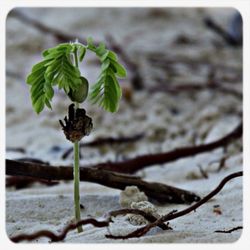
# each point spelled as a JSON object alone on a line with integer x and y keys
{"x": 141, "y": 162}
{"x": 173, "y": 215}
{"x": 229, "y": 39}
{"x": 155, "y": 191}
{"x": 229, "y": 231}
{"x": 53, "y": 237}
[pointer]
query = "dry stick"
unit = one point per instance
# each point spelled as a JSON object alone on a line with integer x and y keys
{"x": 140, "y": 162}
{"x": 106, "y": 140}
{"x": 61, "y": 236}
{"x": 228, "y": 38}
{"x": 156, "y": 191}
{"x": 143, "y": 230}
{"x": 228, "y": 231}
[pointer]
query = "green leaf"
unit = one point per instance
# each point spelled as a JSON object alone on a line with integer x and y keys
{"x": 39, "y": 104}
{"x": 105, "y": 65}
{"x": 120, "y": 70}
{"x": 100, "y": 50}
{"x": 47, "y": 103}
{"x": 55, "y": 69}
{"x": 90, "y": 44}
{"x": 104, "y": 56}
{"x": 112, "y": 55}
{"x": 82, "y": 52}
{"x": 106, "y": 92}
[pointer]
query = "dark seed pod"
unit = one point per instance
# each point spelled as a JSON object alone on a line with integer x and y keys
{"x": 80, "y": 94}
{"x": 77, "y": 124}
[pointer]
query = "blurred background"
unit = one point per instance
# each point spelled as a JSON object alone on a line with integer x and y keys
{"x": 184, "y": 83}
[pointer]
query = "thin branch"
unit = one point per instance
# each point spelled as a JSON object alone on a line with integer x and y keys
{"x": 54, "y": 237}
{"x": 229, "y": 231}
{"x": 140, "y": 162}
{"x": 143, "y": 230}
{"x": 107, "y": 140}
{"x": 228, "y": 38}
{"x": 156, "y": 191}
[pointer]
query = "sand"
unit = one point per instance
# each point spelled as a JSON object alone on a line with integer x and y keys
{"x": 168, "y": 121}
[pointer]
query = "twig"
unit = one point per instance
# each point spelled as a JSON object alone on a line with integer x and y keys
{"x": 229, "y": 39}
{"x": 222, "y": 163}
{"x": 156, "y": 191}
{"x": 141, "y": 162}
{"x": 107, "y": 140}
{"x": 53, "y": 237}
{"x": 229, "y": 231}
{"x": 143, "y": 230}
{"x": 203, "y": 172}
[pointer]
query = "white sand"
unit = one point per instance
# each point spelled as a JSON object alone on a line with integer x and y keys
{"x": 205, "y": 116}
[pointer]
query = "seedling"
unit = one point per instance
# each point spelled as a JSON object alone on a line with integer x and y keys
{"x": 59, "y": 67}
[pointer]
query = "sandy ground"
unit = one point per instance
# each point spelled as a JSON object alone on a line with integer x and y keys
{"x": 168, "y": 120}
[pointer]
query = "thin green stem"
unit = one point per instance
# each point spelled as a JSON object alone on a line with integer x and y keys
{"x": 76, "y": 170}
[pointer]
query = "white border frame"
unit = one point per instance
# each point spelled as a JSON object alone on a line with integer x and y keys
{"x": 243, "y": 7}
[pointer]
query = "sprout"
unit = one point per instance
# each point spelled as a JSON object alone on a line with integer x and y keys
{"x": 59, "y": 68}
